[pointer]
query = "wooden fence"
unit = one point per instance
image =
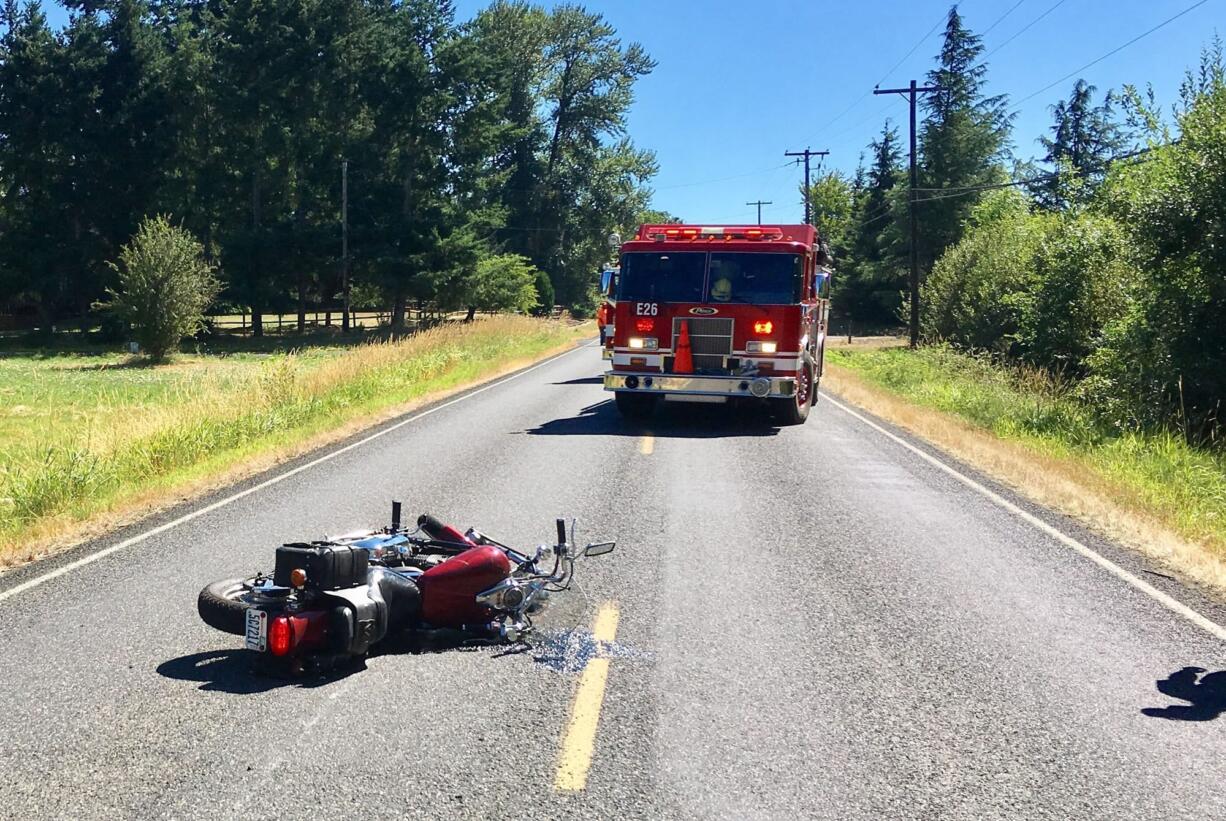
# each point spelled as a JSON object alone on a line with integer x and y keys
{"x": 274, "y": 322}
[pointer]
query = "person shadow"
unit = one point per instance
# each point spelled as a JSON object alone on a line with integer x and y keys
{"x": 1206, "y": 695}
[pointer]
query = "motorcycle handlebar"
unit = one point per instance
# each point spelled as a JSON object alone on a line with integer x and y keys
{"x": 561, "y": 531}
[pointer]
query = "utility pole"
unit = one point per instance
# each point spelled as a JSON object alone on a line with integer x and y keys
{"x": 806, "y": 154}
{"x": 760, "y": 203}
{"x": 345, "y": 244}
{"x": 910, "y": 93}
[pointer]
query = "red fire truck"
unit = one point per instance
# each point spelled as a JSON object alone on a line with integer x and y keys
{"x": 718, "y": 314}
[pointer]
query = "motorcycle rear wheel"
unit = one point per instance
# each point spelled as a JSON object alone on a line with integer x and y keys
{"x": 221, "y": 607}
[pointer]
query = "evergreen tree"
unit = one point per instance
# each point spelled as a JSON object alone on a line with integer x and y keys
{"x": 1084, "y": 137}
{"x": 34, "y": 164}
{"x": 962, "y": 141}
{"x": 871, "y": 274}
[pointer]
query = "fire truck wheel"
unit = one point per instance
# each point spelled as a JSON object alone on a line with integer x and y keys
{"x": 795, "y": 411}
{"x": 634, "y": 405}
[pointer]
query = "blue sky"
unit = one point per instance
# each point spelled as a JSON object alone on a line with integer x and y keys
{"x": 739, "y": 83}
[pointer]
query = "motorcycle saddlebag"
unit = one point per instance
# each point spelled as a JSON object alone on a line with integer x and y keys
{"x": 327, "y": 566}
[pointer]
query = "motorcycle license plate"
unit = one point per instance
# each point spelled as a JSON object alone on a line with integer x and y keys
{"x": 257, "y": 630}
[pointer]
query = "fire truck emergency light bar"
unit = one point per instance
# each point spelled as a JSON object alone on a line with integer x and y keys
{"x": 716, "y": 233}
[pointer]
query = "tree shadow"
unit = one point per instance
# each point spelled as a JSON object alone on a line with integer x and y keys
{"x": 236, "y": 672}
{"x": 1206, "y": 695}
{"x": 668, "y": 421}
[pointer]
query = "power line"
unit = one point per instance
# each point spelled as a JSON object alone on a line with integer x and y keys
{"x": 884, "y": 77}
{"x": 1024, "y": 29}
{"x": 1114, "y": 51}
{"x": 951, "y": 193}
{"x": 723, "y": 179}
{"x": 920, "y": 42}
{"x": 1012, "y": 9}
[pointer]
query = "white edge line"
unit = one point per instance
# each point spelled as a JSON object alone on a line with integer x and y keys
{"x": 1148, "y": 589}
{"x": 195, "y": 514}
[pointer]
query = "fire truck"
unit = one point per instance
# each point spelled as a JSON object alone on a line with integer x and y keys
{"x": 720, "y": 314}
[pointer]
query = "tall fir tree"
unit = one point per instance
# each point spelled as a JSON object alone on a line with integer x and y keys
{"x": 1083, "y": 138}
{"x": 873, "y": 272}
{"x": 962, "y": 141}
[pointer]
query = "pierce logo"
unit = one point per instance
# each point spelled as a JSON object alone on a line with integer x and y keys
{"x": 704, "y": 311}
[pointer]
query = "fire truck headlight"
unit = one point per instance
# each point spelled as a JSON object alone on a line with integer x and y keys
{"x": 646, "y": 343}
{"x": 761, "y": 347}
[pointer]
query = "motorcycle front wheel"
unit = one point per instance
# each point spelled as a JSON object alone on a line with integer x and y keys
{"x": 221, "y": 606}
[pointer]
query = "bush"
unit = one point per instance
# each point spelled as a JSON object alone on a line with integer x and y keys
{"x": 503, "y": 282}
{"x": 1082, "y": 278}
{"x": 1167, "y": 352}
{"x": 544, "y": 294}
{"x": 978, "y": 290}
{"x": 165, "y": 285}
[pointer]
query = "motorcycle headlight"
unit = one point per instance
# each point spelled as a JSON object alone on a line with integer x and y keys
{"x": 506, "y": 595}
{"x": 512, "y": 598}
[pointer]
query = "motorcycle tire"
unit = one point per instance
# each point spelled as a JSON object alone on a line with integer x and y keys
{"x": 220, "y": 608}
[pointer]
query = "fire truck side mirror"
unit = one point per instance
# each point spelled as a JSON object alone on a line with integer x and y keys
{"x": 606, "y": 280}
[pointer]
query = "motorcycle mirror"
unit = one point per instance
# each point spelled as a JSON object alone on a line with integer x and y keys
{"x": 599, "y": 549}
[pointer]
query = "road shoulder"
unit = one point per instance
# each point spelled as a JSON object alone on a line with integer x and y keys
{"x": 1138, "y": 545}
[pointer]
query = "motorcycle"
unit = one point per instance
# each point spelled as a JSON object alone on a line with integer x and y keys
{"x": 329, "y": 602}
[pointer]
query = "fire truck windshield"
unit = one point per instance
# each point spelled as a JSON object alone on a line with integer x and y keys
{"x": 756, "y": 278}
{"x": 671, "y": 277}
{"x": 753, "y": 278}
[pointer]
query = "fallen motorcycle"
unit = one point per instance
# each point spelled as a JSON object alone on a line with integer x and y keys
{"x": 328, "y": 602}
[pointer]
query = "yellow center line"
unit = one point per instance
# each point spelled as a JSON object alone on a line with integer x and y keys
{"x": 647, "y": 444}
{"x": 579, "y": 741}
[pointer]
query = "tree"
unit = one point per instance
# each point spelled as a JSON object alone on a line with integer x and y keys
{"x": 1084, "y": 137}
{"x": 165, "y": 285}
{"x": 832, "y": 199}
{"x": 502, "y": 282}
{"x": 572, "y": 176}
{"x": 35, "y": 163}
{"x": 962, "y": 141}
{"x": 1165, "y": 358}
{"x": 870, "y": 275}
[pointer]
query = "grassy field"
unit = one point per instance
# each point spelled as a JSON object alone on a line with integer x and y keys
{"x": 1132, "y": 484}
{"x": 83, "y": 434}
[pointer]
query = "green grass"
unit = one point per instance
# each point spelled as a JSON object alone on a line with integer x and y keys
{"x": 84, "y": 434}
{"x": 1157, "y": 472}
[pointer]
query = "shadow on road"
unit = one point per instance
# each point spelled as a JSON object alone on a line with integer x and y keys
{"x": 1206, "y": 694}
{"x": 583, "y": 380}
{"x": 669, "y": 421}
{"x": 231, "y": 671}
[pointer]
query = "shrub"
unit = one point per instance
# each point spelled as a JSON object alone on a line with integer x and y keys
{"x": 165, "y": 285}
{"x": 978, "y": 290}
{"x": 545, "y": 294}
{"x": 1082, "y": 278}
{"x": 503, "y": 282}
{"x": 1168, "y": 351}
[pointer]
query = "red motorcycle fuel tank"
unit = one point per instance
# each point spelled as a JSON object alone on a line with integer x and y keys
{"x": 449, "y": 590}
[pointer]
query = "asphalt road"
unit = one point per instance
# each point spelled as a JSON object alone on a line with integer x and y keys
{"x": 814, "y": 622}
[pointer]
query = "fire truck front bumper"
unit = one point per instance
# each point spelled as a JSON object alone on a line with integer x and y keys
{"x": 681, "y": 386}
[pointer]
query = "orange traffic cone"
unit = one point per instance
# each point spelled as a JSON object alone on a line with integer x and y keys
{"x": 683, "y": 359}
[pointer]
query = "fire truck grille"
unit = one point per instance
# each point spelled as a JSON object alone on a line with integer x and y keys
{"x": 710, "y": 340}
